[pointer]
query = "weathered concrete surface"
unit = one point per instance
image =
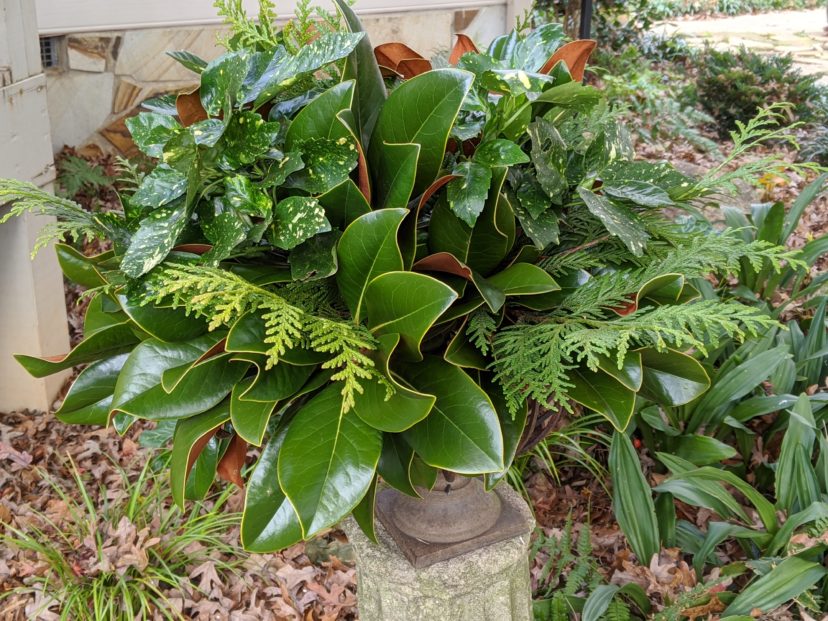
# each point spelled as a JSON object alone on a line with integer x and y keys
{"x": 489, "y": 584}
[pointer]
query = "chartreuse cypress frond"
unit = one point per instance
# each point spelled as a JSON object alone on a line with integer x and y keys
{"x": 72, "y": 219}
{"x": 223, "y": 297}
{"x": 533, "y": 360}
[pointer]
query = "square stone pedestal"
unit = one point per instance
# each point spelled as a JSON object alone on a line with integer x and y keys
{"x": 487, "y": 584}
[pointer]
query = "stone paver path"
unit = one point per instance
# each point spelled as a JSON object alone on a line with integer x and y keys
{"x": 800, "y": 33}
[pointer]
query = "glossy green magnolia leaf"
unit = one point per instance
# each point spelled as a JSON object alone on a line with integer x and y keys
{"x": 344, "y": 203}
{"x": 361, "y": 66}
{"x": 269, "y": 523}
{"x": 630, "y": 373}
{"x": 246, "y": 139}
{"x": 443, "y": 262}
{"x": 247, "y": 336}
{"x": 163, "y": 185}
{"x": 102, "y": 312}
{"x": 191, "y": 434}
{"x": 493, "y": 235}
{"x": 244, "y": 197}
{"x": 462, "y": 353}
{"x": 408, "y": 304}
{"x": 150, "y": 131}
{"x": 163, "y": 323}
{"x": 139, "y": 390}
{"x": 786, "y": 581}
{"x": 468, "y": 192}
{"x": 632, "y": 499}
{"x": 80, "y": 269}
{"x": 420, "y": 111}
{"x": 254, "y": 399}
{"x": 367, "y": 248}
{"x": 618, "y": 220}
{"x": 297, "y": 218}
{"x": 90, "y": 395}
{"x": 315, "y": 258}
{"x": 221, "y": 81}
{"x": 672, "y": 378}
{"x": 524, "y": 279}
{"x": 319, "y": 118}
{"x": 283, "y": 71}
{"x": 512, "y": 427}
{"x": 462, "y": 434}
{"x": 500, "y": 152}
{"x": 365, "y": 511}
{"x": 324, "y": 484}
{"x": 328, "y": 162}
{"x": 604, "y": 394}
{"x": 404, "y": 408}
{"x": 639, "y": 192}
{"x": 155, "y": 237}
{"x": 394, "y": 174}
{"x": 104, "y": 343}
{"x": 203, "y": 472}
{"x": 395, "y": 464}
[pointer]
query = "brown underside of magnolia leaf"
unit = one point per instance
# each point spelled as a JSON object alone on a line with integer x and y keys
{"x": 397, "y": 59}
{"x": 443, "y": 262}
{"x": 363, "y": 180}
{"x": 195, "y": 451}
{"x": 230, "y": 466}
{"x": 575, "y": 54}
{"x": 463, "y": 45}
{"x": 190, "y": 109}
{"x": 194, "y": 248}
{"x": 430, "y": 190}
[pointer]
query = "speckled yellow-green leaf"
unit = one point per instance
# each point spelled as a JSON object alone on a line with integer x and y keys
{"x": 296, "y": 219}
{"x": 163, "y": 185}
{"x": 151, "y": 131}
{"x": 154, "y": 239}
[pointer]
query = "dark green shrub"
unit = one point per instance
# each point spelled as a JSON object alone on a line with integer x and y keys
{"x": 733, "y": 85}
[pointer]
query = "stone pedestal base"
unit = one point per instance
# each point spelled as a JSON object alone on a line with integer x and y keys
{"x": 487, "y": 584}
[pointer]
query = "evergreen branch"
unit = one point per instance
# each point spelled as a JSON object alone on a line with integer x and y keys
{"x": 532, "y": 361}
{"x": 481, "y": 329}
{"x": 72, "y": 219}
{"x": 704, "y": 254}
{"x": 767, "y": 126}
{"x": 247, "y": 31}
{"x": 223, "y": 297}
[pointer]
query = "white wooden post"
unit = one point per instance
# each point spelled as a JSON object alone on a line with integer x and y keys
{"x": 32, "y": 311}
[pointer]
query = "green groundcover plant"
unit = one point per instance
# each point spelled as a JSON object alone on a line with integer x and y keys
{"x": 379, "y": 270}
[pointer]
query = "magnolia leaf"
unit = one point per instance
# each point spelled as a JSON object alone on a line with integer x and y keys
{"x": 462, "y": 433}
{"x": 80, "y": 269}
{"x": 221, "y": 81}
{"x": 574, "y": 55}
{"x": 672, "y": 378}
{"x": 408, "y": 304}
{"x": 155, "y": 237}
{"x": 524, "y": 279}
{"x": 365, "y": 511}
{"x": 151, "y": 131}
{"x": 361, "y": 66}
{"x": 344, "y": 203}
{"x": 319, "y": 118}
{"x": 163, "y": 323}
{"x": 190, "y": 437}
{"x": 448, "y": 264}
{"x": 163, "y": 185}
{"x": 269, "y": 523}
{"x": 395, "y": 464}
{"x": 394, "y": 174}
{"x": 618, "y": 220}
{"x": 203, "y": 471}
{"x": 512, "y": 427}
{"x": 367, "y": 248}
{"x": 468, "y": 191}
{"x": 296, "y": 219}
{"x": 421, "y": 111}
{"x": 604, "y": 394}
{"x": 90, "y": 395}
{"x": 400, "y": 410}
{"x": 325, "y": 484}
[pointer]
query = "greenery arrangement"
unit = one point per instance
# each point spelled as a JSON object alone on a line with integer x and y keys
{"x": 379, "y": 269}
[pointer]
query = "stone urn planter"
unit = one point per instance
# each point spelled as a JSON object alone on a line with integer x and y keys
{"x": 458, "y": 552}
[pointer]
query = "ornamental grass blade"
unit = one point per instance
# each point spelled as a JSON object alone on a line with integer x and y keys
{"x": 786, "y": 581}
{"x": 632, "y": 499}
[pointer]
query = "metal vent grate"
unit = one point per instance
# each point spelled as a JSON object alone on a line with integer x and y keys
{"x": 49, "y": 52}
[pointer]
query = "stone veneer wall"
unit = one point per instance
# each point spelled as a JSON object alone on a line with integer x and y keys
{"x": 103, "y": 77}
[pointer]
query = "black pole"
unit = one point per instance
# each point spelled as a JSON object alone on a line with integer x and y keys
{"x": 585, "y": 29}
